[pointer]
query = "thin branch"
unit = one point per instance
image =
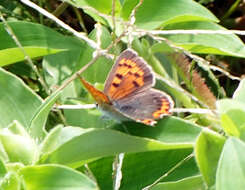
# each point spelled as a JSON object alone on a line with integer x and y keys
{"x": 59, "y": 22}
{"x": 132, "y": 20}
{"x": 194, "y": 32}
{"x": 77, "y": 106}
{"x": 193, "y": 110}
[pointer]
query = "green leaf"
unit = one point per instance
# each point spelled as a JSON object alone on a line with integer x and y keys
{"x": 13, "y": 55}
{"x": 3, "y": 170}
{"x": 150, "y": 167}
{"x": 154, "y": 13}
{"x": 219, "y": 44}
{"x": 233, "y": 122}
{"x": 224, "y": 105}
{"x": 55, "y": 177}
{"x": 232, "y": 115}
{"x": 207, "y": 150}
{"x": 103, "y": 6}
{"x": 19, "y": 148}
{"x": 77, "y": 150}
{"x": 190, "y": 183}
{"x": 239, "y": 94}
{"x": 90, "y": 118}
{"x": 34, "y": 35}
{"x": 168, "y": 130}
{"x": 10, "y": 181}
{"x": 231, "y": 168}
{"x": 37, "y": 127}
{"x": 102, "y": 171}
{"x": 18, "y": 101}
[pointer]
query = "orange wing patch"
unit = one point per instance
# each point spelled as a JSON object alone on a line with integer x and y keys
{"x": 99, "y": 96}
{"x": 163, "y": 110}
{"x": 129, "y": 76}
{"x": 150, "y": 122}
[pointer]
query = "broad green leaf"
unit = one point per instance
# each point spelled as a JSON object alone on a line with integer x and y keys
{"x": 152, "y": 165}
{"x": 35, "y": 35}
{"x": 102, "y": 170}
{"x": 232, "y": 115}
{"x": 190, "y": 183}
{"x": 58, "y": 136}
{"x": 239, "y": 94}
{"x": 17, "y": 129}
{"x": 233, "y": 122}
{"x": 37, "y": 126}
{"x": 220, "y": 44}
{"x": 168, "y": 130}
{"x": 208, "y": 149}
{"x": 77, "y": 150}
{"x": 103, "y": 6}
{"x": 19, "y": 148}
{"x": 55, "y": 177}
{"x": 155, "y": 13}
{"x": 231, "y": 167}
{"x": 50, "y": 141}
{"x": 18, "y": 101}
{"x": 13, "y": 55}
{"x": 86, "y": 118}
{"x": 10, "y": 181}
{"x": 224, "y": 105}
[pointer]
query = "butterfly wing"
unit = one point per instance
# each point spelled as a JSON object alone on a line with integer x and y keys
{"x": 146, "y": 106}
{"x": 130, "y": 74}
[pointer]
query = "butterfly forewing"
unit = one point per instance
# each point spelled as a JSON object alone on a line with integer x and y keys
{"x": 129, "y": 75}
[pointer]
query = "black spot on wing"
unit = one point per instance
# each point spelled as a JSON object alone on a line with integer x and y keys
{"x": 119, "y": 76}
{"x": 136, "y": 84}
{"x": 115, "y": 84}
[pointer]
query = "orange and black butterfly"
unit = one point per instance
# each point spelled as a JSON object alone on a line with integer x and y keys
{"x": 128, "y": 92}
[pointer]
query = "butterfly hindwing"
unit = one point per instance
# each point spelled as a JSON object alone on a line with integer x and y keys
{"x": 130, "y": 74}
{"x": 146, "y": 106}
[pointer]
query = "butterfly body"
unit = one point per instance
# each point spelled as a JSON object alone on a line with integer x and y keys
{"x": 128, "y": 93}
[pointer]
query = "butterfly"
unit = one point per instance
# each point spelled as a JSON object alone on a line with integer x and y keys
{"x": 128, "y": 92}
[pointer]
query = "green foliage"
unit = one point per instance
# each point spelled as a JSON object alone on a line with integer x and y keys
{"x": 45, "y": 149}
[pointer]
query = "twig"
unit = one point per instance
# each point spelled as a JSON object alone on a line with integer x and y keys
{"x": 98, "y": 34}
{"x": 59, "y": 22}
{"x": 192, "y": 110}
{"x": 26, "y": 56}
{"x": 77, "y": 106}
{"x": 194, "y": 32}
{"x": 132, "y": 20}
